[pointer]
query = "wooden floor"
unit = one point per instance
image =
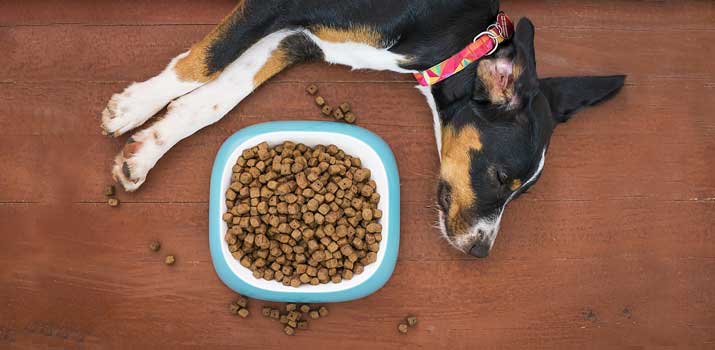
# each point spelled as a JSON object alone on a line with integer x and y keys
{"x": 614, "y": 248}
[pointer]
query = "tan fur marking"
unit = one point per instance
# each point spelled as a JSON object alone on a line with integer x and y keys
{"x": 515, "y": 184}
{"x": 193, "y": 66}
{"x": 276, "y": 63}
{"x": 360, "y": 34}
{"x": 456, "y": 150}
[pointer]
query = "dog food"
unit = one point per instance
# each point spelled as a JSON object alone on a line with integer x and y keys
{"x": 342, "y": 112}
{"x": 113, "y": 202}
{"x": 109, "y": 191}
{"x": 402, "y": 328}
{"x": 169, "y": 260}
{"x": 302, "y": 215}
{"x": 411, "y": 321}
{"x": 155, "y": 246}
{"x": 311, "y": 89}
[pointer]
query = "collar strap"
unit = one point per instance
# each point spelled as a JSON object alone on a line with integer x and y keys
{"x": 483, "y": 44}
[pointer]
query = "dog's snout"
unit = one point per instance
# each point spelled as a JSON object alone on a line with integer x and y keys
{"x": 480, "y": 250}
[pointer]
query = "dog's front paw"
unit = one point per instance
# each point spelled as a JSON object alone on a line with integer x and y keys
{"x": 128, "y": 110}
{"x": 133, "y": 163}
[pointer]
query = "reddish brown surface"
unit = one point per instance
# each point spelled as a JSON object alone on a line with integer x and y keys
{"x": 614, "y": 248}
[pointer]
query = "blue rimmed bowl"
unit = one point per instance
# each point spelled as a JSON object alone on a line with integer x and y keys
{"x": 375, "y": 155}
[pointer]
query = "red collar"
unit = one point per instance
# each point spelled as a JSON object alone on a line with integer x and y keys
{"x": 483, "y": 44}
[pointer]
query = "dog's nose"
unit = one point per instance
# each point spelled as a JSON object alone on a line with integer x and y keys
{"x": 480, "y": 250}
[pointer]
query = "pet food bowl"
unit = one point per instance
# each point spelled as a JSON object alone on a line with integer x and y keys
{"x": 374, "y": 153}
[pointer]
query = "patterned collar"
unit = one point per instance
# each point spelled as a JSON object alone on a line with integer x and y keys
{"x": 483, "y": 44}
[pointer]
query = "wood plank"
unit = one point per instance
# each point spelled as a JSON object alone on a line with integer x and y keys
{"x": 126, "y": 289}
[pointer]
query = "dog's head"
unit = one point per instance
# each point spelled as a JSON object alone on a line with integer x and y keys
{"x": 494, "y": 146}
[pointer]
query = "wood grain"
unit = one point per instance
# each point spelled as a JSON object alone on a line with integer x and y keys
{"x": 614, "y": 248}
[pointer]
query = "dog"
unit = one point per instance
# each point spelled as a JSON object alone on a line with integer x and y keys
{"x": 493, "y": 118}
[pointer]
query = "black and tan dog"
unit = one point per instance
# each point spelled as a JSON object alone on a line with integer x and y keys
{"x": 493, "y": 120}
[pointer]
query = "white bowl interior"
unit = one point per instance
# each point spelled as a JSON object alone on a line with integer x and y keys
{"x": 351, "y": 146}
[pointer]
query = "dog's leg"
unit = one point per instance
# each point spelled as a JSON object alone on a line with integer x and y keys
{"x": 207, "y": 104}
{"x": 186, "y": 72}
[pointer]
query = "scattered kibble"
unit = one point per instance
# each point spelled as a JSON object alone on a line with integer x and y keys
{"x": 169, "y": 260}
{"x": 312, "y": 89}
{"x": 323, "y": 311}
{"x": 402, "y": 328}
{"x": 113, "y": 202}
{"x": 304, "y": 308}
{"x": 411, "y": 321}
{"x": 345, "y": 107}
{"x": 350, "y": 117}
{"x": 155, "y": 246}
{"x": 320, "y": 101}
{"x": 289, "y": 330}
{"x": 327, "y": 110}
{"x": 303, "y": 325}
{"x": 290, "y": 307}
{"x": 314, "y": 314}
{"x": 233, "y": 308}
{"x": 241, "y": 301}
{"x": 243, "y": 313}
{"x": 109, "y": 191}
{"x": 266, "y": 311}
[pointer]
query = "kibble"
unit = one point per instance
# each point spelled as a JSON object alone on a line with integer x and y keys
{"x": 402, "y": 328}
{"x": 169, "y": 260}
{"x": 109, "y": 191}
{"x": 289, "y": 330}
{"x": 327, "y": 110}
{"x": 320, "y": 101}
{"x": 155, "y": 246}
{"x": 350, "y": 117}
{"x": 243, "y": 313}
{"x": 411, "y": 321}
{"x": 311, "y": 89}
{"x": 302, "y": 215}
{"x": 113, "y": 202}
{"x": 345, "y": 107}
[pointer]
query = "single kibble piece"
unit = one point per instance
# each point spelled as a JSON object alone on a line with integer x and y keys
{"x": 303, "y": 325}
{"x": 304, "y": 308}
{"x": 323, "y": 311}
{"x": 243, "y": 313}
{"x": 109, "y": 191}
{"x": 113, "y": 202}
{"x": 350, "y": 117}
{"x": 169, "y": 260}
{"x": 155, "y": 246}
{"x": 290, "y": 307}
{"x": 402, "y": 328}
{"x": 411, "y": 321}
{"x": 241, "y": 301}
{"x": 233, "y": 308}
{"x": 311, "y": 89}
{"x": 326, "y": 110}
{"x": 266, "y": 311}
{"x": 314, "y": 314}
{"x": 289, "y": 330}
{"x": 320, "y": 101}
{"x": 345, "y": 107}
{"x": 338, "y": 114}
{"x": 275, "y": 314}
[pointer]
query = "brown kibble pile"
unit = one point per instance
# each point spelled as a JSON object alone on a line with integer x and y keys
{"x": 342, "y": 112}
{"x": 301, "y": 215}
{"x": 294, "y": 317}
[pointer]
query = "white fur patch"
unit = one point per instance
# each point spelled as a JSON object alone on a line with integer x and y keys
{"x": 140, "y": 101}
{"x": 359, "y": 55}
{"x": 436, "y": 123}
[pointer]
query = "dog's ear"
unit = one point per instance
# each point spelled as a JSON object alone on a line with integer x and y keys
{"x": 570, "y": 94}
